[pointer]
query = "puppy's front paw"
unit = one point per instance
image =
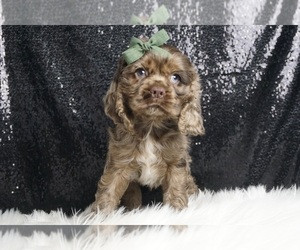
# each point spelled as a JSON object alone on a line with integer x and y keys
{"x": 105, "y": 211}
{"x": 102, "y": 207}
{"x": 178, "y": 203}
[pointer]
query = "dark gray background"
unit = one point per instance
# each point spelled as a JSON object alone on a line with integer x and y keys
{"x": 54, "y": 131}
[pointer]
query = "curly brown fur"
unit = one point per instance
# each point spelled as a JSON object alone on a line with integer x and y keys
{"x": 155, "y": 104}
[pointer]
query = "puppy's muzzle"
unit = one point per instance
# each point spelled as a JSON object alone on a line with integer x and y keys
{"x": 155, "y": 93}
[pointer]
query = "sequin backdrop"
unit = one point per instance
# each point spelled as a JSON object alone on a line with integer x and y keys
{"x": 53, "y": 129}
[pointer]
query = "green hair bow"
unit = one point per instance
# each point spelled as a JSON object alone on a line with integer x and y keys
{"x": 137, "y": 48}
{"x": 158, "y": 17}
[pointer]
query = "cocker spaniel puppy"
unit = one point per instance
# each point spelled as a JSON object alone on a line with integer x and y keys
{"x": 155, "y": 105}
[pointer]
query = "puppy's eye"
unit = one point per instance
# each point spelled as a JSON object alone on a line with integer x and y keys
{"x": 140, "y": 73}
{"x": 175, "y": 78}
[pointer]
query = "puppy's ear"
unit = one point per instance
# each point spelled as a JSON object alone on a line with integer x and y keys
{"x": 113, "y": 100}
{"x": 190, "y": 119}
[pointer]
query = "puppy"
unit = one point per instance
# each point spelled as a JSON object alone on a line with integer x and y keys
{"x": 155, "y": 105}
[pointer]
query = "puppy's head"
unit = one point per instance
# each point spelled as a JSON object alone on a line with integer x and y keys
{"x": 156, "y": 88}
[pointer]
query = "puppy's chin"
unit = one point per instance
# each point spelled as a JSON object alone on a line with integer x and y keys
{"x": 155, "y": 110}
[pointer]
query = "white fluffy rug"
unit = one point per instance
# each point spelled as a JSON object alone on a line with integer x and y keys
{"x": 235, "y": 219}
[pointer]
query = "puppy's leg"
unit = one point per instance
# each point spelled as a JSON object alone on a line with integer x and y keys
{"x": 192, "y": 188}
{"x": 133, "y": 196}
{"x": 174, "y": 187}
{"x": 111, "y": 188}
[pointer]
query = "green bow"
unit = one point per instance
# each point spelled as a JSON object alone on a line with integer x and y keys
{"x": 158, "y": 17}
{"x": 137, "y": 48}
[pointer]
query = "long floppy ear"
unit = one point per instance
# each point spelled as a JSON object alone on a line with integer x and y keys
{"x": 113, "y": 100}
{"x": 190, "y": 119}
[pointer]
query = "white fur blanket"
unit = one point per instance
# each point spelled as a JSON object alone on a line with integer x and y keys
{"x": 234, "y": 219}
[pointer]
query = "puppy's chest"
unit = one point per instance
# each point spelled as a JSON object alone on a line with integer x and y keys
{"x": 149, "y": 159}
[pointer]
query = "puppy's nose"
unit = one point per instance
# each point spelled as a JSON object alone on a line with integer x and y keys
{"x": 158, "y": 92}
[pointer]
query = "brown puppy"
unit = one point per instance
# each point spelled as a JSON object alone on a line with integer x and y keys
{"x": 155, "y": 104}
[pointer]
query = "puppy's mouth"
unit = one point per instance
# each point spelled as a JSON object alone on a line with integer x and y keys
{"x": 154, "y": 102}
{"x": 156, "y": 107}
